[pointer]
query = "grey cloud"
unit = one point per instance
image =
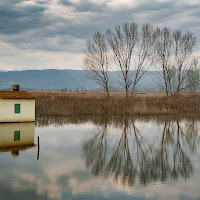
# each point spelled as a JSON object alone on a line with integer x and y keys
{"x": 14, "y": 19}
{"x": 153, "y": 12}
{"x": 29, "y": 27}
{"x": 85, "y": 6}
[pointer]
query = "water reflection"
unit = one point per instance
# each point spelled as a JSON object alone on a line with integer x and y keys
{"x": 130, "y": 151}
{"x": 15, "y": 137}
{"x": 136, "y": 153}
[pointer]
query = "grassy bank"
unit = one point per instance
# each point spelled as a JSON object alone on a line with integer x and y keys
{"x": 90, "y": 103}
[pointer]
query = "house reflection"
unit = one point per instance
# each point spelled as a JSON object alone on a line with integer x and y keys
{"x": 16, "y": 137}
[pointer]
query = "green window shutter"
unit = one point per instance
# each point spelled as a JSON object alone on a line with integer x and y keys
{"x": 17, "y": 108}
{"x": 16, "y": 135}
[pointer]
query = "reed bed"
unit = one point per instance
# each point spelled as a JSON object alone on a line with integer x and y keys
{"x": 91, "y": 103}
{"x": 118, "y": 121}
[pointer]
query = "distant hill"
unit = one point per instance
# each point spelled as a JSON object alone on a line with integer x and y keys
{"x": 64, "y": 79}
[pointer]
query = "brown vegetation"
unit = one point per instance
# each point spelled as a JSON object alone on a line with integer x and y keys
{"x": 91, "y": 103}
{"x": 117, "y": 120}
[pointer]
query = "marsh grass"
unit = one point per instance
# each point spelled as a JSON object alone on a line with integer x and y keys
{"x": 110, "y": 120}
{"x": 90, "y": 103}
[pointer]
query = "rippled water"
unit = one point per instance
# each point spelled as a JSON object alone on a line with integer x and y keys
{"x": 100, "y": 158}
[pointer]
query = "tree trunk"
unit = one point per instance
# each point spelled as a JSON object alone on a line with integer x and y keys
{"x": 107, "y": 92}
{"x": 126, "y": 93}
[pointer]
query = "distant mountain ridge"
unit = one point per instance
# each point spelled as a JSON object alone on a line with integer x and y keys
{"x": 53, "y": 79}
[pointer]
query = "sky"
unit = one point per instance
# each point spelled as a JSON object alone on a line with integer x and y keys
{"x": 51, "y": 34}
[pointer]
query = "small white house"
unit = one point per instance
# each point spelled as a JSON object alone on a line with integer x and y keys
{"x": 17, "y": 106}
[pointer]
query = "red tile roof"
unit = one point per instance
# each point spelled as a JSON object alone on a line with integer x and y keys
{"x": 16, "y": 95}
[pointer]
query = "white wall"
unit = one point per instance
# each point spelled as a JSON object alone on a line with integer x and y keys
{"x": 7, "y": 110}
{"x": 27, "y": 132}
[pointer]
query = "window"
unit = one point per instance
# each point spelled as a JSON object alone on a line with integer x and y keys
{"x": 16, "y": 135}
{"x": 17, "y": 108}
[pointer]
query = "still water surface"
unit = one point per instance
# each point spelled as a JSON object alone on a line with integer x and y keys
{"x": 121, "y": 158}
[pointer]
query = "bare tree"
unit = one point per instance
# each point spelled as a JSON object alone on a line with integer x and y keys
{"x": 122, "y": 42}
{"x": 97, "y": 60}
{"x": 170, "y": 54}
{"x": 174, "y": 58}
{"x": 163, "y": 48}
{"x": 183, "y": 48}
{"x": 193, "y": 79}
{"x": 145, "y": 53}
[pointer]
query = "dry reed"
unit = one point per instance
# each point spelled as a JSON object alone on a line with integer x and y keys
{"x": 117, "y": 121}
{"x": 89, "y": 103}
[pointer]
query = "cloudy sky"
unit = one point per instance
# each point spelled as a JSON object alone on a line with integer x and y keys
{"x": 44, "y": 34}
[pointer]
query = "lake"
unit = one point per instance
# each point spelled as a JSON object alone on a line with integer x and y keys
{"x": 101, "y": 158}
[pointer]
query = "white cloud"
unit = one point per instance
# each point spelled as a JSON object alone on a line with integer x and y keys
{"x": 123, "y": 4}
{"x": 41, "y": 26}
{"x": 12, "y": 58}
{"x": 163, "y": 1}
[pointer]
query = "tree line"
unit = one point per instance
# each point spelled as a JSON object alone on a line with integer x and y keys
{"x": 134, "y": 51}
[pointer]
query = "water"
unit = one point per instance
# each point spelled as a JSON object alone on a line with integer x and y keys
{"x": 100, "y": 158}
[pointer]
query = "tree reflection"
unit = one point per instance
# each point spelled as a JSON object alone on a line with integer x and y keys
{"x": 132, "y": 155}
{"x": 95, "y": 149}
{"x": 120, "y": 162}
{"x": 171, "y": 159}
